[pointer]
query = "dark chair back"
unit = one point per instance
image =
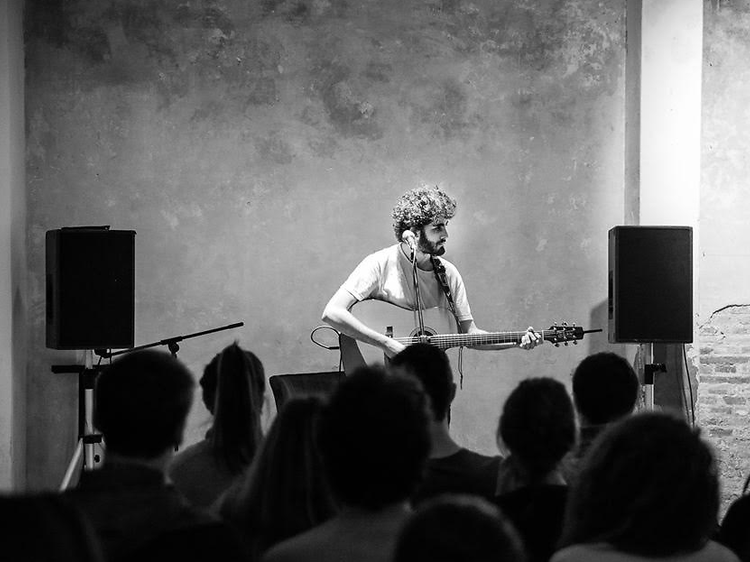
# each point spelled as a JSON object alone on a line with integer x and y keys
{"x": 303, "y": 384}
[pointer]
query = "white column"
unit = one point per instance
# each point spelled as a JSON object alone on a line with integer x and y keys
{"x": 670, "y": 111}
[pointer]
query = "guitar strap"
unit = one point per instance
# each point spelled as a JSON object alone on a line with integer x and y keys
{"x": 439, "y": 269}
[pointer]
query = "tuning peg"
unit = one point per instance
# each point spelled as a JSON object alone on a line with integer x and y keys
{"x": 575, "y": 342}
{"x": 557, "y": 344}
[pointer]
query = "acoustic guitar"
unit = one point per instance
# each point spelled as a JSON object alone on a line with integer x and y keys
{"x": 440, "y": 329}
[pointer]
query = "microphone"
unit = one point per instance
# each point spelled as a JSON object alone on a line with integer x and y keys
{"x": 410, "y": 238}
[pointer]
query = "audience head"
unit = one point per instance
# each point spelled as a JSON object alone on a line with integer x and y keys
{"x": 538, "y": 425}
{"x": 431, "y": 366}
{"x": 141, "y": 403}
{"x": 458, "y": 528}
{"x": 284, "y": 493}
{"x": 648, "y": 486}
{"x": 46, "y": 528}
{"x": 233, "y": 386}
{"x": 605, "y": 388}
{"x": 374, "y": 438}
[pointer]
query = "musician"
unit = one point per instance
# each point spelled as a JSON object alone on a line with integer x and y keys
{"x": 420, "y": 221}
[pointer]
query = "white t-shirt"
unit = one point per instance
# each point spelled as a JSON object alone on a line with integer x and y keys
{"x": 387, "y": 275}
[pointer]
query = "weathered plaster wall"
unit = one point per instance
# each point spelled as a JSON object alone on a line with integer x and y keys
{"x": 258, "y": 147}
{"x": 725, "y": 233}
{"x": 13, "y": 292}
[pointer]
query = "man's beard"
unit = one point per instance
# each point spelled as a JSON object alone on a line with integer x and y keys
{"x": 431, "y": 248}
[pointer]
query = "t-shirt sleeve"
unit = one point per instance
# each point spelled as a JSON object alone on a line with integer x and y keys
{"x": 458, "y": 290}
{"x": 363, "y": 282}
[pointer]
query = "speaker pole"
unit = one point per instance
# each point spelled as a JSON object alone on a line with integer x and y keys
{"x": 649, "y": 369}
{"x": 87, "y": 436}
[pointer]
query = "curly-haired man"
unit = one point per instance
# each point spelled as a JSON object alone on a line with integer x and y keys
{"x": 420, "y": 220}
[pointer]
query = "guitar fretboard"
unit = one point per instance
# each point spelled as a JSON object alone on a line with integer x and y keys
{"x": 446, "y": 341}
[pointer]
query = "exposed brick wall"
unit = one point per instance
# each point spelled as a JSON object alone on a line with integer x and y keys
{"x": 723, "y": 408}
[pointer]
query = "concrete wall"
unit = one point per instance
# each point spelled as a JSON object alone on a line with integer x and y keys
{"x": 13, "y": 303}
{"x": 724, "y": 403}
{"x": 258, "y": 147}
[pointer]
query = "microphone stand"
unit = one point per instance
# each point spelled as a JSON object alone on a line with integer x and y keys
{"x": 87, "y": 373}
{"x": 418, "y": 295}
{"x": 171, "y": 343}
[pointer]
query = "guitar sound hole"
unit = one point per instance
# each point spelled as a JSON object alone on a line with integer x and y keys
{"x": 427, "y": 334}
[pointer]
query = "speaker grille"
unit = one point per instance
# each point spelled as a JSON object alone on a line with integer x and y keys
{"x": 90, "y": 278}
{"x": 650, "y": 284}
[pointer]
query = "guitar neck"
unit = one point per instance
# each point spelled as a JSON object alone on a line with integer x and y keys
{"x": 447, "y": 341}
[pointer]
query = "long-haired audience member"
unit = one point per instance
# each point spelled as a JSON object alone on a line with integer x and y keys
{"x": 648, "y": 490}
{"x": 458, "y": 528}
{"x": 450, "y": 468}
{"x": 605, "y": 389}
{"x": 233, "y": 387}
{"x": 735, "y": 527}
{"x": 46, "y": 528}
{"x": 538, "y": 428}
{"x": 374, "y": 439}
{"x": 284, "y": 493}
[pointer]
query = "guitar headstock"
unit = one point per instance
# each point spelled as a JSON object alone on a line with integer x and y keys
{"x": 562, "y": 333}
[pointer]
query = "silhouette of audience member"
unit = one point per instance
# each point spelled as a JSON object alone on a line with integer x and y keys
{"x": 284, "y": 493}
{"x": 450, "y": 468}
{"x": 233, "y": 385}
{"x": 538, "y": 428}
{"x": 458, "y": 528}
{"x": 605, "y": 389}
{"x": 374, "y": 439}
{"x": 141, "y": 403}
{"x": 46, "y": 528}
{"x": 648, "y": 490}
{"x": 735, "y": 527}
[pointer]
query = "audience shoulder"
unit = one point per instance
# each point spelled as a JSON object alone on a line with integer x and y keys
{"x": 300, "y": 548}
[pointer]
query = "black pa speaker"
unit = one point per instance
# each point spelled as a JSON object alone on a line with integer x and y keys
{"x": 90, "y": 288}
{"x": 650, "y": 284}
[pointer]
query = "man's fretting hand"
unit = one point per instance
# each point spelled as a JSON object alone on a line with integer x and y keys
{"x": 530, "y": 339}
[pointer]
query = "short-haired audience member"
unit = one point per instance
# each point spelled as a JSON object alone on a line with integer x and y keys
{"x": 46, "y": 528}
{"x": 458, "y": 528}
{"x": 233, "y": 386}
{"x": 141, "y": 404}
{"x": 648, "y": 490}
{"x": 605, "y": 389}
{"x": 284, "y": 493}
{"x": 735, "y": 527}
{"x": 538, "y": 427}
{"x": 450, "y": 468}
{"x": 374, "y": 438}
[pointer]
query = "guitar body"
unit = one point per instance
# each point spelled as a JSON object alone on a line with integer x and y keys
{"x": 393, "y": 321}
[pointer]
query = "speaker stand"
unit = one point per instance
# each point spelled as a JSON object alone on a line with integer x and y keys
{"x": 87, "y": 437}
{"x": 649, "y": 369}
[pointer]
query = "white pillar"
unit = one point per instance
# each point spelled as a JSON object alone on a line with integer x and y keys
{"x": 670, "y": 112}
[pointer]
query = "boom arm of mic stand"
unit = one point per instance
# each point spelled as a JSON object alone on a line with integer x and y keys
{"x": 171, "y": 343}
